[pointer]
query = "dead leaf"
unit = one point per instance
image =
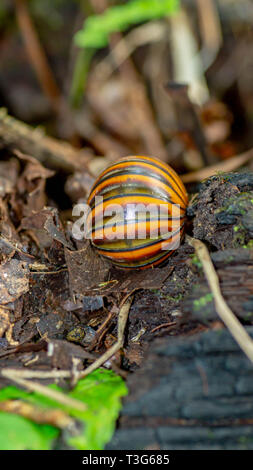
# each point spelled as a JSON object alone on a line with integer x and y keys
{"x": 14, "y": 280}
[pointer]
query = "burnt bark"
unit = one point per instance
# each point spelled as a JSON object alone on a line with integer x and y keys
{"x": 191, "y": 393}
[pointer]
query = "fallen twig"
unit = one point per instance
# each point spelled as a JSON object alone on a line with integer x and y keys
{"x": 225, "y": 313}
{"x": 163, "y": 325}
{"x": 54, "y": 417}
{"x": 210, "y": 29}
{"x": 37, "y": 55}
{"x": 38, "y": 374}
{"x": 51, "y": 152}
{"x": 101, "y": 331}
{"x": 55, "y": 395}
{"x": 228, "y": 165}
{"x": 122, "y": 319}
{"x": 144, "y": 34}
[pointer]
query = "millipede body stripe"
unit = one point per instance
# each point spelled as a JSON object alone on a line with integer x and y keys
{"x": 133, "y": 230}
{"x": 137, "y": 212}
{"x": 169, "y": 172}
{"x": 131, "y": 222}
{"x": 151, "y": 243}
{"x": 141, "y": 162}
{"x": 136, "y": 178}
{"x": 124, "y": 200}
{"x": 157, "y": 163}
{"x": 153, "y": 261}
{"x": 144, "y": 254}
{"x": 135, "y": 197}
{"x": 139, "y": 171}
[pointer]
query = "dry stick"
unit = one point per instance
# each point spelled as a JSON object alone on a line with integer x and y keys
{"x": 163, "y": 325}
{"x": 144, "y": 34}
{"x": 210, "y": 24}
{"x": 210, "y": 29}
{"x": 37, "y": 374}
{"x": 101, "y": 331}
{"x": 122, "y": 319}
{"x": 53, "y": 153}
{"x": 229, "y": 165}
{"x": 43, "y": 390}
{"x": 55, "y": 417}
{"x": 37, "y": 55}
{"x": 225, "y": 313}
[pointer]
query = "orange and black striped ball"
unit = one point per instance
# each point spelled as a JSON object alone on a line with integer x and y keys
{"x": 137, "y": 212}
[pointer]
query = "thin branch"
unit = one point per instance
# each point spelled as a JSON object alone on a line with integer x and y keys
{"x": 164, "y": 325}
{"x": 101, "y": 331}
{"x": 54, "y": 417}
{"x": 225, "y": 313}
{"x": 144, "y": 34}
{"x": 53, "y": 153}
{"x": 122, "y": 320}
{"x": 37, "y": 54}
{"x": 55, "y": 395}
{"x": 37, "y": 374}
{"x": 228, "y": 165}
{"x": 210, "y": 29}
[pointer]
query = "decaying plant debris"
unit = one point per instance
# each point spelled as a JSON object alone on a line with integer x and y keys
{"x": 54, "y": 292}
{"x": 64, "y": 310}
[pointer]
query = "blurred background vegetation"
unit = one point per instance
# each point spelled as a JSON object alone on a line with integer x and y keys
{"x": 93, "y": 72}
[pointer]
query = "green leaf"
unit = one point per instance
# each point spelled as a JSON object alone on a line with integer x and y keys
{"x": 101, "y": 391}
{"x": 19, "y": 433}
{"x": 97, "y": 28}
